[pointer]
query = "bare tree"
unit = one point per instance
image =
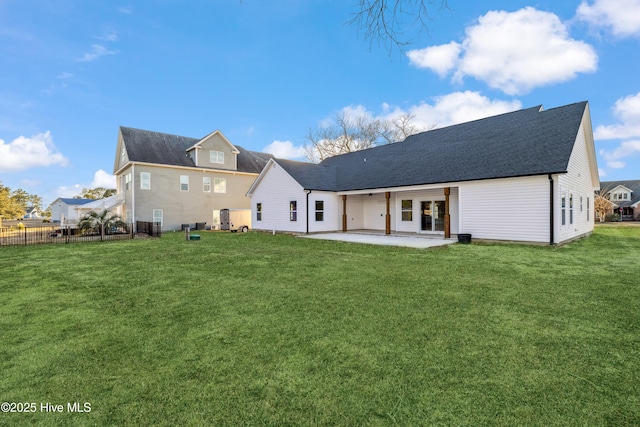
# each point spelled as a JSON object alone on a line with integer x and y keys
{"x": 398, "y": 128}
{"x": 387, "y": 21}
{"x": 354, "y": 133}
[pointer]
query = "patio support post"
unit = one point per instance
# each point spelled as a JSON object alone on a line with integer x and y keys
{"x": 387, "y": 222}
{"x": 447, "y": 216}
{"x": 344, "y": 213}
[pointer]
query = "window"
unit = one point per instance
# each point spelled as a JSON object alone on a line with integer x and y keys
{"x": 407, "y": 210}
{"x": 564, "y": 205}
{"x": 184, "y": 183}
{"x": 258, "y": 211}
{"x": 123, "y": 155}
{"x": 319, "y": 210}
{"x": 127, "y": 181}
{"x": 145, "y": 181}
{"x": 588, "y": 216}
{"x": 216, "y": 156}
{"x": 293, "y": 210}
{"x": 127, "y": 216}
{"x": 219, "y": 185}
{"x": 570, "y": 208}
{"x": 624, "y": 196}
{"x": 157, "y": 216}
{"x": 206, "y": 184}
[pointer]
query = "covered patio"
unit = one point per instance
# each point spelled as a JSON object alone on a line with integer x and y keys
{"x": 426, "y": 211}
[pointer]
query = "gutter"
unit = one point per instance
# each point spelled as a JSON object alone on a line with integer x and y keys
{"x": 551, "y": 218}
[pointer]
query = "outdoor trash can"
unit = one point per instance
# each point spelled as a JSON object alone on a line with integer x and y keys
{"x": 464, "y": 238}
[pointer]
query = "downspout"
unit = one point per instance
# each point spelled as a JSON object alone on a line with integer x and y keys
{"x": 133, "y": 197}
{"x": 308, "y": 192}
{"x": 551, "y": 217}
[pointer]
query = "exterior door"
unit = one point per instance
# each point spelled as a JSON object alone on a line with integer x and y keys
{"x": 426, "y": 216}
{"x": 438, "y": 215}
{"x": 432, "y": 215}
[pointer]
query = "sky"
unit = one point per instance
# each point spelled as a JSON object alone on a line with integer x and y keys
{"x": 264, "y": 72}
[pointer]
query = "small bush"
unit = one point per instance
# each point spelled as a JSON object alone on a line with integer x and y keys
{"x": 20, "y": 226}
{"x": 612, "y": 217}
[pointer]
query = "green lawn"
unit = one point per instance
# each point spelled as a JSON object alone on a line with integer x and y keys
{"x": 255, "y": 329}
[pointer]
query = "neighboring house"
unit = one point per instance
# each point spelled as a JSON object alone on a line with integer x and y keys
{"x": 99, "y": 205}
{"x": 625, "y": 196}
{"x": 65, "y": 211}
{"x": 177, "y": 180}
{"x": 529, "y": 176}
{"x": 32, "y": 213}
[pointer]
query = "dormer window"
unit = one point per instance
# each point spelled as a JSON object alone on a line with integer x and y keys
{"x": 216, "y": 157}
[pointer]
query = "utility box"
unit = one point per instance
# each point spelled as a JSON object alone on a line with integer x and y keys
{"x": 235, "y": 220}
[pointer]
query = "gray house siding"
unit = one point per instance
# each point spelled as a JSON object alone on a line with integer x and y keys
{"x": 149, "y": 166}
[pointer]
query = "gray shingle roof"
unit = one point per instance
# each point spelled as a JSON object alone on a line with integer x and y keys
{"x": 69, "y": 201}
{"x": 311, "y": 176}
{"x": 633, "y": 185}
{"x": 166, "y": 149}
{"x": 521, "y": 143}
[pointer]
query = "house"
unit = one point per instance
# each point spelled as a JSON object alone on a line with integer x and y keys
{"x": 528, "y": 175}
{"x": 178, "y": 180}
{"x": 32, "y": 212}
{"x": 65, "y": 211}
{"x": 625, "y": 196}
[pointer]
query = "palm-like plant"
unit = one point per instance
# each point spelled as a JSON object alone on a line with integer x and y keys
{"x": 100, "y": 221}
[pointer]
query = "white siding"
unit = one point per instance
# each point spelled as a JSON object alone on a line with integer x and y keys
{"x": 515, "y": 209}
{"x": 332, "y": 204}
{"x": 276, "y": 190}
{"x": 374, "y": 209}
{"x": 355, "y": 212}
{"x": 577, "y": 182}
{"x": 416, "y": 197}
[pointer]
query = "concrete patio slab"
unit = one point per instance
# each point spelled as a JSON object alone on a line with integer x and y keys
{"x": 413, "y": 241}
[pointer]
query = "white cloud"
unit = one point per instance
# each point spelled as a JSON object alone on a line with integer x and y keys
{"x": 445, "y": 110}
{"x": 103, "y": 179}
{"x": 109, "y": 37}
{"x": 622, "y": 16}
{"x": 459, "y": 107}
{"x": 602, "y": 173}
{"x": 285, "y": 150}
{"x": 614, "y": 158}
{"x": 64, "y": 76}
{"x": 97, "y": 51}
{"x": 513, "y": 52}
{"x": 100, "y": 179}
{"x": 441, "y": 59}
{"x": 26, "y": 153}
{"x": 628, "y": 111}
{"x": 125, "y": 9}
{"x": 69, "y": 192}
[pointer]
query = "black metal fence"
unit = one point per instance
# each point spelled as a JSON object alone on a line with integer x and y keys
{"x": 13, "y": 236}
{"x": 153, "y": 229}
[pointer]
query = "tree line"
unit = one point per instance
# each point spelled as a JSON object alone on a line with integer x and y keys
{"x": 14, "y": 203}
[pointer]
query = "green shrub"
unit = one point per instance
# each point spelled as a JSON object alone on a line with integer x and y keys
{"x": 612, "y": 217}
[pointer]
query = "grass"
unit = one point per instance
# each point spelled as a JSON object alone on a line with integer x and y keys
{"x": 255, "y": 329}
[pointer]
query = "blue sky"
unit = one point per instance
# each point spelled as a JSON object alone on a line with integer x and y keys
{"x": 264, "y": 72}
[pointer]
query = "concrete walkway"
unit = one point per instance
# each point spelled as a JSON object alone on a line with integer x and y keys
{"x": 410, "y": 241}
